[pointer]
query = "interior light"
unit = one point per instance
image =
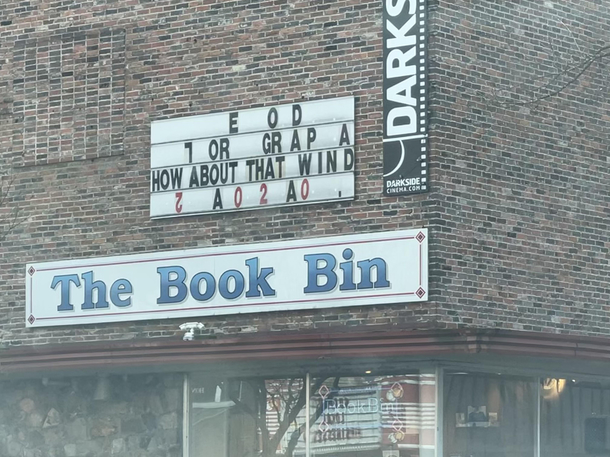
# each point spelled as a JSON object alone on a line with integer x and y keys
{"x": 552, "y": 387}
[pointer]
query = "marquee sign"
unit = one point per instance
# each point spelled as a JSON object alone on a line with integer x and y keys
{"x": 254, "y": 158}
{"x": 405, "y": 125}
{"x": 352, "y": 270}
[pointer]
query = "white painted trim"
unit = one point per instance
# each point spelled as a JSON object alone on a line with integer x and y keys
{"x": 439, "y": 410}
{"x": 307, "y": 413}
{"x": 186, "y": 414}
{"x": 538, "y": 417}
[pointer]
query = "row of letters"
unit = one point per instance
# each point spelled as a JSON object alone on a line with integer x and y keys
{"x": 324, "y": 273}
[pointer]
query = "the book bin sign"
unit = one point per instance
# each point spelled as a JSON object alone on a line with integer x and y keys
{"x": 405, "y": 139}
{"x": 355, "y": 270}
{"x": 253, "y": 158}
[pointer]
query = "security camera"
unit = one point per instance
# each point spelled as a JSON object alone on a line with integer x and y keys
{"x": 190, "y": 328}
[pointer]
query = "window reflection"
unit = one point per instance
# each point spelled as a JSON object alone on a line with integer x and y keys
{"x": 246, "y": 418}
{"x": 374, "y": 416}
{"x": 370, "y": 416}
{"x": 484, "y": 415}
{"x": 574, "y": 420}
{"x": 489, "y": 415}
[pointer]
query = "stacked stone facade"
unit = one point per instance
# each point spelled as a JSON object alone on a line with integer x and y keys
{"x": 518, "y": 207}
{"x": 141, "y": 416}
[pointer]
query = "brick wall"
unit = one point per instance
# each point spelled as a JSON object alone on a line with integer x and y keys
{"x": 519, "y": 197}
{"x": 523, "y": 187}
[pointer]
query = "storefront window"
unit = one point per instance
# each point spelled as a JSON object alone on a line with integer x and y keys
{"x": 483, "y": 415}
{"x": 489, "y": 415}
{"x": 374, "y": 416}
{"x": 246, "y": 417}
{"x": 574, "y": 418}
{"x": 370, "y": 416}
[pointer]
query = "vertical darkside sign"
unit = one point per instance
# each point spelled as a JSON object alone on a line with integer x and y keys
{"x": 405, "y": 139}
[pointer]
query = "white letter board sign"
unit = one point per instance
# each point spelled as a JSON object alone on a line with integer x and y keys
{"x": 282, "y": 155}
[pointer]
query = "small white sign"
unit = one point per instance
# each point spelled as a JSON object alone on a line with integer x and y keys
{"x": 351, "y": 270}
{"x": 254, "y": 158}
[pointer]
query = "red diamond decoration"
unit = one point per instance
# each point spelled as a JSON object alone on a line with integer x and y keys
{"x": 397, "y": 425}
{"x": 324, "y": 391}
{"x": 420, "y": 237}
{"x": 420, "y": 292}
{"x": 31, "y": 271}
{"x": 31, "y": 319}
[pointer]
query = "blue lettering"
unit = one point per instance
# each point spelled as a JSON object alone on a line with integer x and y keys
{"x": 348, "y": 271}
{"x": 258, "y": 280}
{"x": 210, "y": 286}
{"x": 90, "y": 287}
{"x": 382, "y": 276}
{"x": 167, "y": 284}
{"x": 314, "y": 270}
{"x": 223, "y": 284}
{"x": 65, "y": 281}
{"x": 118, "y": 288}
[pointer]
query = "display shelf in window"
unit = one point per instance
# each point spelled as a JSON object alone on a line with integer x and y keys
{"x": 476, "y": 417}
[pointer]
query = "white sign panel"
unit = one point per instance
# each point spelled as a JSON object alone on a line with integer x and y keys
{"x": 254, "y": 158}
{"x": 352, "y": 270}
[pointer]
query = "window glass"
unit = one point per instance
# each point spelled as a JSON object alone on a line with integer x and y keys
{"x": 371, "y": 416}
{"x": 374, "y": 416}
{"x": 489, "y": 415}
{"x": 574, "y": 418}
{"x": 246, "y": 417}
